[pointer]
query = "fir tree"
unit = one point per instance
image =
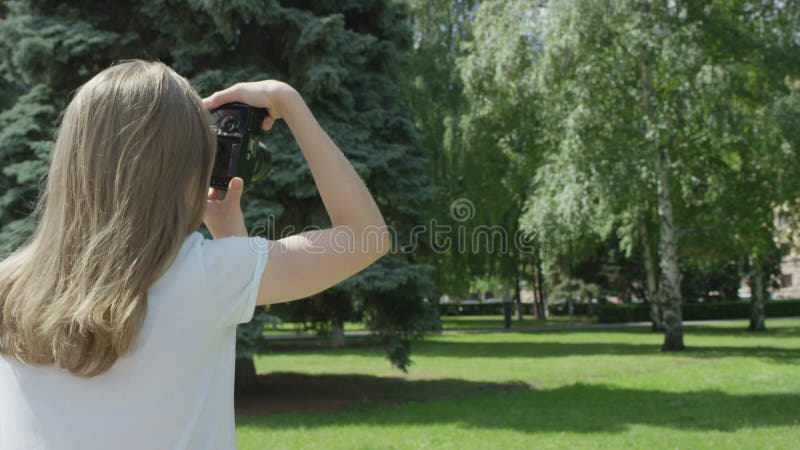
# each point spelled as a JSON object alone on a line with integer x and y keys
{"x": 342, "y": 56}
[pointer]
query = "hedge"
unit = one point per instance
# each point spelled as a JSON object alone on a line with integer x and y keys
{"x": 640, "y": 312}
{"x": 562, "y": 309}
{"x": 637, "y": 312}
{"x": 480, "y": 309}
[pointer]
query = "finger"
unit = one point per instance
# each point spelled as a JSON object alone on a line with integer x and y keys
{"x": 267, "y": 123}
{"x": 213, "y": 193}
{"x": 234, "y": 195}
{"x": 229, "y": 95}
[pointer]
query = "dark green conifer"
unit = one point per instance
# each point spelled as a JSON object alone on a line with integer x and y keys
{"x": 342, "y": 56}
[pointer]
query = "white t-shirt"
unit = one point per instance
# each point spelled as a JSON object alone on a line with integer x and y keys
{"x": 173, "y": 389}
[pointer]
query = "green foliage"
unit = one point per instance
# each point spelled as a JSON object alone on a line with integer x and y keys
{"x": 575, "y": 289}
{"x": 629, "y": 86}
{"x": 433, "y": 88}
{"x": 249, "y": 338}
{"x": 472, "y": 98}
{"x": 545, "y": 117}
{"x": 500, "y": 132}
{"x": 342, "y": 56}
{"x": 392, "y": 307}
{"x": 565, "y": 110}
{"x": 25, "y": 144}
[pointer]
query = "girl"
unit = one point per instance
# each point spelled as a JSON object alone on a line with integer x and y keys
{"x": 117, "y": 318}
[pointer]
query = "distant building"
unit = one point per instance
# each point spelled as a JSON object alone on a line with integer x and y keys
{"x": 787, "y": 237}
{"x": 790, "y": 278}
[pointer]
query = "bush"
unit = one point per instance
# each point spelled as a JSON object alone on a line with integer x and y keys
{"x": 480, "y": 309}
{"x": 562, "y": 309}
{"x": 697, "y": 311}
{"x": 626, "y": 312}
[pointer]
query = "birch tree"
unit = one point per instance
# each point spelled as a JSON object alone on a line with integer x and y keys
{"x": 626, "y": 73}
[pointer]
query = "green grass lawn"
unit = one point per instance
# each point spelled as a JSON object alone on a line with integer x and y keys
{"x": 557, "y": 389}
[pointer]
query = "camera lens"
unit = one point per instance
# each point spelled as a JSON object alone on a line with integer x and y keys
{"x": 230, "y": 124}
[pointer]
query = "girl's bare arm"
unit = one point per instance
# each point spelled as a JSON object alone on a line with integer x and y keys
{"x": 309, "y": 262}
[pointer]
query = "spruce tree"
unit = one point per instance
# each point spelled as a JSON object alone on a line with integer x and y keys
{"x": 342, "y": 56}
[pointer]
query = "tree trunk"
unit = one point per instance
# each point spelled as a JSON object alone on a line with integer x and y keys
{"x": 337, "y": 333}
{"x": 245, "y": 378}
{"x": 535, "y": 289}
{"x": 517, "y": 296}
{"x": 569, "y": 282}
{"x": 437, "y": 295}
{"x": 651, "y": 268}
{"x": 540, "y": 287}
{"x": 758, "y": 296}
{"x": 670, "y": 292}
{"x": 507, "y": 303}
{"x": 570, "y": 307}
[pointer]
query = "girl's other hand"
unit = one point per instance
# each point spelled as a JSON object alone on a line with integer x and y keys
{"x": 224, "y": 217}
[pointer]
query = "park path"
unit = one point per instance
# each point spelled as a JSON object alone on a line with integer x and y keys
{"x": 533, "y": 328}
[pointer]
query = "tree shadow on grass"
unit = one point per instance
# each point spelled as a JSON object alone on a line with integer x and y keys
{"x": 774, "y": 330}
{"x": 483, "y": 349}
{"x": 281, "y": 392}
{"x": 581, "y": 408}
{"x": 467, "y": 349}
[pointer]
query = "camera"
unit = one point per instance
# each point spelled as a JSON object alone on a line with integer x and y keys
{"x": 240, "y": 152}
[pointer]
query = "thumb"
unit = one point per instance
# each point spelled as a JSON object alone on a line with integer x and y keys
{"x": 234, "y": 194}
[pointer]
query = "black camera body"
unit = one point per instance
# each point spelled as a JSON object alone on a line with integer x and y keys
{"x": 240, "y": 152}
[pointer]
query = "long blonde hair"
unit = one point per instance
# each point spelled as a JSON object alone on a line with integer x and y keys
{"x": 127, "y": 184}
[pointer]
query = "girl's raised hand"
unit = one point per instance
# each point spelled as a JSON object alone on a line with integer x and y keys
{"x": 268, "y": 94}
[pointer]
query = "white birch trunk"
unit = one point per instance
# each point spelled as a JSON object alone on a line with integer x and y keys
{"x": 337, "y": 333}
{"x": 670, "y": 272}
{"x": 651, "y": 269}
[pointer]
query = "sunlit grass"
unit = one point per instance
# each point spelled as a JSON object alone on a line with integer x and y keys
{"x": 584, "y": 388}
